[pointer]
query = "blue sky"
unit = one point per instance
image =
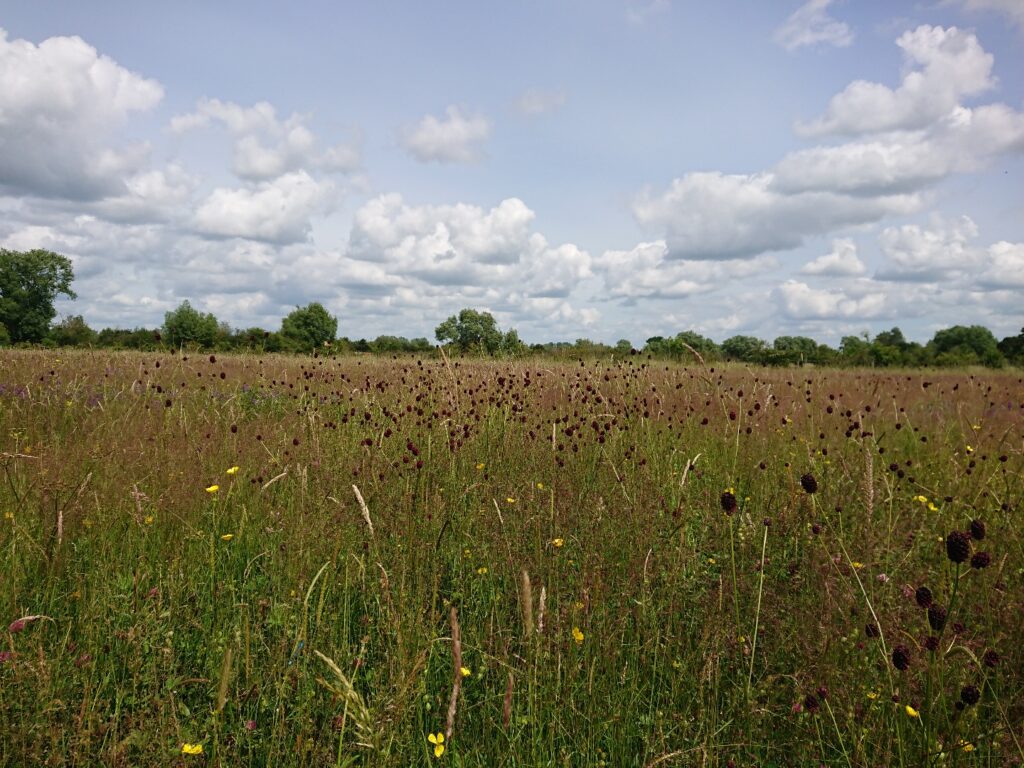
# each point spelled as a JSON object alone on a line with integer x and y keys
{"x": 581, "y": 168}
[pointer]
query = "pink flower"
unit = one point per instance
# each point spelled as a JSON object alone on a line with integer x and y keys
{"x": 16, "y": 626}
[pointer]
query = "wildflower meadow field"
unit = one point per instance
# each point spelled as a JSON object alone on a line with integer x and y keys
{"x": 285, "y": 561}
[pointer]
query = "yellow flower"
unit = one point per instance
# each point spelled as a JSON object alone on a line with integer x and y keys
{"x": 191, "y": 749}
{"x": 932, "y": 507}
{"x": 510, "y": 500}
{"x": 577, "y": 635}
{"x": 233, "y": 471}
{"x": 922, "y": 499}
{"x": 540, "y": 486}
{"x": 969, "y": 449}
{"x": 465, "y": 671}
{"x": 213, "y": 488}
{"x": 911, "y": 711}
{"x": 227, "y": 537}
{"x": 482, "y": 570}
{"x": 711, "y": 561}
{"x": 438, "y": 742}
{"x": 857, "y": 565}
{"x": 558, "y": 543}
{"x": 149, "y": 519}
{"x": 873, "y": 695}
{"x": 966, "y": 746}
{"x": 8, "y": 515}
{"x": 481, "y": 465}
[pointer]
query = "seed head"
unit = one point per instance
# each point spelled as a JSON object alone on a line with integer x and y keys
{"x": 958, "y": 546}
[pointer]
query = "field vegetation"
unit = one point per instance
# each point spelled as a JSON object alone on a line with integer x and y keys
{"x": 267, "y": 560}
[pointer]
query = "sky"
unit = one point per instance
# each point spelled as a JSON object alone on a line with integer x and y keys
{"x": 599, "y": 169}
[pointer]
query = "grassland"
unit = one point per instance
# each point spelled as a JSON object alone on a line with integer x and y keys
{"x": 618, "y": 564}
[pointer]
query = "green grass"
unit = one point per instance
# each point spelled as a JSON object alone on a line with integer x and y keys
{"x": 308, "y": 639}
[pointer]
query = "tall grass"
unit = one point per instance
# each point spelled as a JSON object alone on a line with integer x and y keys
{"x": 533, "y": 560}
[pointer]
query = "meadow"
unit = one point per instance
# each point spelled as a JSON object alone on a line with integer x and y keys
{"x": 281, "y": 561}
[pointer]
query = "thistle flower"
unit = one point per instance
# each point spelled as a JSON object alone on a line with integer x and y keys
{"x": 901, "y": 658}
{"x": 808, "y": 483}
{"x": 958, "y": 546}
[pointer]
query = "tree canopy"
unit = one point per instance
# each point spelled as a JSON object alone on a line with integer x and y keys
{"x": 309, "y": 327}
{"x": 30, "y": 282}
{"x": 187, "y": 326}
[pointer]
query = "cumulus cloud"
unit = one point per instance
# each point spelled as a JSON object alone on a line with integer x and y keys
{"x": 943, "y": 67}
{"x": 464, "y": 245}
{"x": 718, "y": 216}
{"x": 1005, "y": 268}
{"x": 799, "y": 301}
{"x": 455, "y": 138}
{"x": 841, "y": 261}
{"x": 61, "y": 106}
{"x": 647, "y": 271}
{"x": 267, "y": 146}
{"x": 537, "y": 101}
{"x": 275, "y": 211}
{"x": 921, "y": 254}
{"x": 810, "y": 24}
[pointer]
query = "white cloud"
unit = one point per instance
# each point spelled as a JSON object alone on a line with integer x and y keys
{"x": 266, "y": 146}
{"x": 537, "y": 101}
{"x": 810, "y": 24}
{"x": 455, "y": 138}
{"x": 276, "y": 211}
{"x": 841, "y": 261}
{"x": 718, "y": 216}
{"x": 1013, "y": 9}
{"x": 926, "y": 255}
{"x": 944, "y": 66}
{"x": 647, "y": 271}
{"x": 799, "y": 301}
{"x": 1005, "y": 269}
{"x": 61, "y": 105}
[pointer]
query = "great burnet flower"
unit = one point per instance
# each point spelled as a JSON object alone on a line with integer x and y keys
{"x": 809, "y": 483}
{"x": 958, "y": 546}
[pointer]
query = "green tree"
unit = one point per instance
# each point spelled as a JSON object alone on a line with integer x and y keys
{"x": 310, "y": 327}
{"x": 748, "y": 349}
{"x": 966, "y": 345}
{"x": 186, "y": 326}
{"x": 855, "y": 350}
{"x": 1012, "y": 348}
{"x": 471, "y": 331}
{"x": 72, "y": 331}
{"x": 29, "y": 284}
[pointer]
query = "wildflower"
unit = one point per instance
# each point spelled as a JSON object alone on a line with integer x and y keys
{"x": 912, "y": 712}
{"x": 728, "y": 502}
{"x": 577, "y": 635}
{"x": 149, "y": 520}
{"x": 482, "y": 570}
{"x": 438, "y": 741}
{"x": 540, "y": 486}
{"x": 958, "y": 546}
{"x": 465, "y": 671}
{"x": 970, "y": 695}
{"x": 931, "y": 643}
{"x": 510, "y": 500}
{"x": 233, "y": 471}
{"x": 481, "y": 465}
{"x": 970, "y": 449}
{"x": 811, "y": 703}
{"x": 558, "y": 543}
{"x": 808, "y": 483}
{"x": 191, "y": 749}
{"x": 966, "y": 746}
{"x": 923, "y": 596}
{"x": 212, "y": 488}
{"x": 227, "y": 537}
{"x": 871, "y": 630}
{"x": 936, "y": 617}
{"x": 981, "y": 560}
{"x": 932, "y": 507}
{"x": 872, "y": 695}
{"x": 857, "y": 565}
{"x": 921, "y": 499}
{"x": 901, "y": 658}
{"x": 977, "y": 530}
{"x": 990, "y": 659}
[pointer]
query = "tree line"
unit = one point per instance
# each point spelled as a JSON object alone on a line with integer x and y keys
{"x": 31, "y": 281}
